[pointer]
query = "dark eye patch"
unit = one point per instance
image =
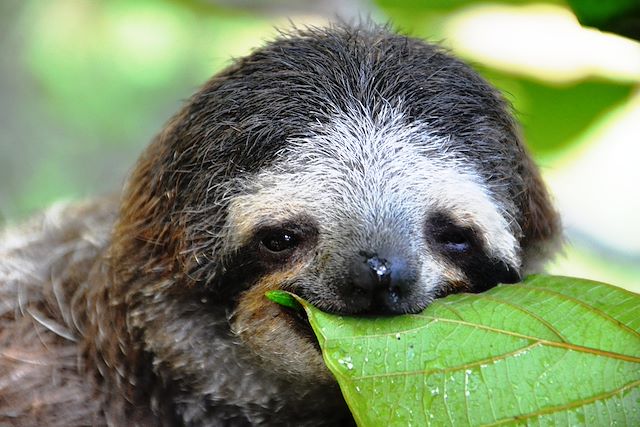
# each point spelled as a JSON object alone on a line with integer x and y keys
{"x": 450, "y": 238}
{"x": 272, "y": 247}
{"x": 463, "y": 247}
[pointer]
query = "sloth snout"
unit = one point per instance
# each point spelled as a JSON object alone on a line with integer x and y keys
{"x": 380, "y": 284}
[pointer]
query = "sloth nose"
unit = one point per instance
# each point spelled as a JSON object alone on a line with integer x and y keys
{"x": 379, "y": 284}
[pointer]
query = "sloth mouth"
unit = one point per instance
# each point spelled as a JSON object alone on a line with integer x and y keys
{"x": 299, "y": 321}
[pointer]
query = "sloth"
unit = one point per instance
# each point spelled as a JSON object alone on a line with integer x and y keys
{"x": 365, "y": 171}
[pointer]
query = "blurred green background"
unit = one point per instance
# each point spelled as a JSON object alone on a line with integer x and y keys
{"x": 85, "y": 84}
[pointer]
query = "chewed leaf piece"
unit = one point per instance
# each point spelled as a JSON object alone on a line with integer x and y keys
{"x": 284, "y": 298}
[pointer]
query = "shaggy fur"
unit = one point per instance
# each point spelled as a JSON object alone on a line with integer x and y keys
{"x": 318, "y": 159}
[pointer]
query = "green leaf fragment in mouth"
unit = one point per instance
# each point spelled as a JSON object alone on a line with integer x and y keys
{"x": 284, "y": 298}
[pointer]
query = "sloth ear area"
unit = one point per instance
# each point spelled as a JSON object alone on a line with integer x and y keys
{"x": 541, "y": 225}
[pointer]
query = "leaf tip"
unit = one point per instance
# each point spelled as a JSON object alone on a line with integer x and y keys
{"x": 284, "y": 298}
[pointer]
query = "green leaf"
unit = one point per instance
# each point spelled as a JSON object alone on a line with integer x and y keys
{"x": 549, "y": 351}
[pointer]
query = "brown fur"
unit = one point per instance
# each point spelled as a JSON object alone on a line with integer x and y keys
{"x": 272, "y": 332}
{"x": 42, "y": 379}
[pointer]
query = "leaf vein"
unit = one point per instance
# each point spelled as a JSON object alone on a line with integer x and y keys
{"x": 548, "y": 325}
{"x": 571, "y": 405}
{"x": 591, "y": 308}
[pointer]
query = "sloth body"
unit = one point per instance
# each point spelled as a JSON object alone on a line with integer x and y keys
{"x": 365, "y": 171}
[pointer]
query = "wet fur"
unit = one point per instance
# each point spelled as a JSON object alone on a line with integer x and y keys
{"x": 149, "y": 310}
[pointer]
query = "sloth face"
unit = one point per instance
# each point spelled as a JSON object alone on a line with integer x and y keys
{"x": 368, "y": 216}
{"x": 365, "y": 171}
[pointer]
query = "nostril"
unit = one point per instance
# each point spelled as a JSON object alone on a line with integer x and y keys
{"x": 395, "y": 295}
{"x": 380, "y": 269}
{"x": 379, "y": 284}
{"x": 359, "y": 291}
{"x": 371, "y": 274}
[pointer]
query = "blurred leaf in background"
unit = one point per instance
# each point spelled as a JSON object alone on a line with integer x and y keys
{"x": 86, "y": 84}
{"x": 97, "y": 81}
{"x": 618, "y": 16}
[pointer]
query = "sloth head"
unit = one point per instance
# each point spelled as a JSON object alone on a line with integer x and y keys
{"x": 365, "y": 171}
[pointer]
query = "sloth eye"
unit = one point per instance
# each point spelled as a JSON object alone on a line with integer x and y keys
{"x": 455, "y": 240}
{"x": 279, "y": 241}
{"x": 277, "y": 244}
{"x": 451, "y": 238}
